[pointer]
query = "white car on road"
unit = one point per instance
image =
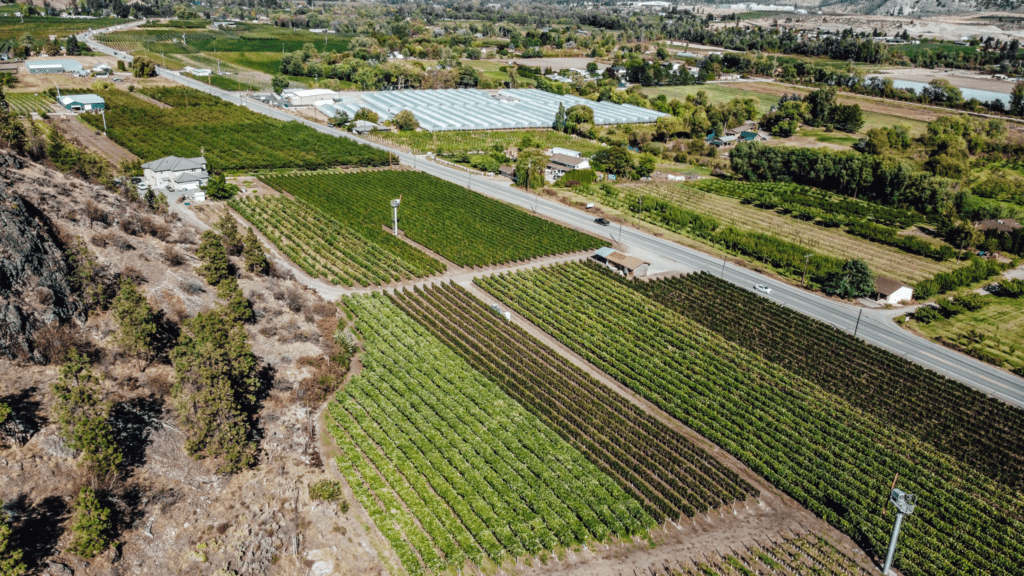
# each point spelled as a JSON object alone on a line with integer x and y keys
{"x": 763, "y": 288}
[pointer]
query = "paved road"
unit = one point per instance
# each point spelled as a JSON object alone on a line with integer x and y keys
{"x": 875, "y": 326}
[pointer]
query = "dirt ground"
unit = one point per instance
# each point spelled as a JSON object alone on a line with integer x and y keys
{"x": 958, "y": 78}
{"x": 39, "y": 82}
{"x": 951, "y": 27}
{"x": 84, "y": 135}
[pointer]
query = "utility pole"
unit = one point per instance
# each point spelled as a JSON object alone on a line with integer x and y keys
{"x": 724, "y": 259}
{"x": 857, "y": 327}
{"x": 803, "y": 281}
{"x": 103, "y": 113}
{"x": 905, "y": 504}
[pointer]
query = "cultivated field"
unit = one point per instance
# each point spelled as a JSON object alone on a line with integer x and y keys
{"x": 462, "y": 226}
{"x": 483, "y": 141}
{"x": 453, "y": 470}
{"x": 832, "y": 457}
{"x": 25, "y": 103}
{"x": 995, "y": 333}
{"x": 231, "y": 137}
{"x": 884, "y": 260}
{"x": 325, "y": 248}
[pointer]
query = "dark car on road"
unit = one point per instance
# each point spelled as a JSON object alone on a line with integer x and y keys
{"x": 602, "y": 221}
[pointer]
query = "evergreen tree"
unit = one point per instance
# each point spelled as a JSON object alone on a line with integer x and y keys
{"x": 136, "y": 319}
{"x": 855, "y": 280}
{"x": 72, "y": 47}
{"x": 560, "y": 118}
{"x": 255, "y": 259}
{"x": 10, "y": 557}
{"x": 228, "y": 228}
{"x": 91, "y": 526}
{"x": 1017, "y": 99}
{"x": 215, "y": 389}
{"x": 238, "y": 307}
{"x": 83, "y": 418}
{"x": 218, "y": 188}
{"x": 215, "y": 267}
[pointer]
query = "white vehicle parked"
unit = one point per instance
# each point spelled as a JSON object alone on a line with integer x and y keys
{"x": 763, "y": 288}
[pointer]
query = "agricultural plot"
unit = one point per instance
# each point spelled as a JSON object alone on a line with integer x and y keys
{"x": 993, "y": 334}
{"x": 323, "y": 248}
{"x": 231, "y": 137}
{"x": 42, "y": 27}
{"x": 453, "y": 470}
{"x": 832, "y": 242}
{"x": 656, "y": 465}
{"x": 484, "y": 141}
{"x": 242, "y": 39}
{"x": 24, "y": 103}
{"x": 830, "y": 456}
{"x": 466, "y": 228}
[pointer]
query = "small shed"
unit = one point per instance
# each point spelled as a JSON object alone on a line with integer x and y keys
{"x": 602, "y": 254}
{"x": 892, "y": 291}
{"x": 507, "y": 171}
{"x": 628, "y": 266}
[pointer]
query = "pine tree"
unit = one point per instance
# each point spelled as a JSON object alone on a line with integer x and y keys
{"x": 10, "y": 557}
{"x": 228, "y": 229}
{"x": 215, "y": 267}
{"x": 215, "y": 389}
{"x": 255, "y": 259}
{"x": 91, "y": 526}
{"x": 560, "y": 118}
{"x": 82, "y": 417}
{"x": 137, "y": 321}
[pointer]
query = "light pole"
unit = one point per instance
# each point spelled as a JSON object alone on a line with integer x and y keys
{"x": 394, "y": 208}
{"x": 905, "y": 504}
{"x": 803, "y": 281}
{"x": 103, "y": 113}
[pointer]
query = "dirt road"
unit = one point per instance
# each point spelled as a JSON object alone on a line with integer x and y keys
{"x": 76, "y": 130}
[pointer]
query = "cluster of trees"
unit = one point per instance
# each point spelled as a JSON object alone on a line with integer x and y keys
{"x": 578, "y": 119}
{"x": 818, "y": 108}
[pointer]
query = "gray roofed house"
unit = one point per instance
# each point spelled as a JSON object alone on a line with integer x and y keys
{"x": 176, "y": 173}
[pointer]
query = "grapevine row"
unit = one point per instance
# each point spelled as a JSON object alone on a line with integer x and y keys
{"x": 449, "y": 467}
{"x": 659, "y": 466}
{"x": 828, "y": 455}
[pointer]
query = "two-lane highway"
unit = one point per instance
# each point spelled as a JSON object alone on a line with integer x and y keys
{"x": 874, "y": 326}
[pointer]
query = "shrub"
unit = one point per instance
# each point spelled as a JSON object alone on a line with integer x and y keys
{"x": 82, "y": 417}
{"x": 325, "y": 489}
{"x": 926, "y": 315}
{"x": 91, "y": 526}
{"x": 215, "y": 267}
{"x": 10, "y": 557}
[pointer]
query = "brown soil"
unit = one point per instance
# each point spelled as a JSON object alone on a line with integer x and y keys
{"x": 85, "y": 136}
{"x": 868, "y": 104}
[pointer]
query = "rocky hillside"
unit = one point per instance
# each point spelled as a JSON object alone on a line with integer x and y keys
{"x": 170, "y": 513}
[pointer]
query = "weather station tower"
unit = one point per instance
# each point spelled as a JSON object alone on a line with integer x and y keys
{"x": 904, "y": 503}
{"x": 394, "y": 210}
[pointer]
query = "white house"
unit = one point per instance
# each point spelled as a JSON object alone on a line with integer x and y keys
{"x": 559, "y": 164}
{"x": 892, "y": 291}
{"x": 310, "y": 97}
{"x": 176, "y": 174}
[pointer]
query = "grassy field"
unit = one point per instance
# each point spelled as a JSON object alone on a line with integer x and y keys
{"x": 717, "y": 93}
{"x": 41, "y": 27}
{"x": 884, "y": 260}
{"x": 995, "y": 333}
{"x": 482, "y": 140}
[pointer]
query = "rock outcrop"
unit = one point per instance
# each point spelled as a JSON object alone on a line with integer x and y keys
{"x": 35, "y": 290}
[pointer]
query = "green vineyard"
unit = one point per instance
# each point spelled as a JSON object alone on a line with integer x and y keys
{"x": 450, "y": 468}
{"x": 465, "y": 227}
{"x": 804, "y": 556}
{"x": 484, "y": 141}
{"x": 660, "y": 467}
{"x": 827, "y": 454}
{"x": 326, "y": 249}
{"x": 230, "y": 136}
{"x": 24, "y": 104}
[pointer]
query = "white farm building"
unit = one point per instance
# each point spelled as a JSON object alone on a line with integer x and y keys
{"x": 176, "y": 174}
{"x": 82, "y": 102}
{"x": 310, "y": 97}
{"x": 892, "y": 291}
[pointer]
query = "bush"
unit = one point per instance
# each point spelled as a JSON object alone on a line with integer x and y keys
{"x": 84, "y": 419}
{"x": 91, "y": 526}
{"x": 10, "y": 557}
{"x": 325, "y": 489}
{"x": 926, "y": 315}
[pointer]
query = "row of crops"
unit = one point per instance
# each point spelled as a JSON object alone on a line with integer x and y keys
{"x": 231, "y": 137}
{"x": 808, "y": 203}
{"x": 989, "y": 434}
{"x": 467, "y": 228}
{"x": 453, "y": 470}
{"x": 657, "y": 465}
{"x": 829, "y": 455}
{"x": 192, "y": 42}
{"x": 324, "y": 248}
{"x": 24, "y": 104}
{"x": 808, "y": 555}
{"x": 487, "y": 140}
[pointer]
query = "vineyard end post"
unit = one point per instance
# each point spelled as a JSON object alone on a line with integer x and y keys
{"x": 905, "y": 504}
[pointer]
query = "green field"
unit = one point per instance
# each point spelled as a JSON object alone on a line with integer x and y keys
{"x": 245, "y": 38}
{"x": 467, "y": 228}
{"x": 717, "y": 94}
{"x": 231, "y": 137}
{"x": 994, "y": 334}
{"x": 25, "y": 103}
{"x": 41, "y": 27}
{"x": 450, "y": 468}
{"x": 326, "y": 249}
{"x": 829, "y": 455}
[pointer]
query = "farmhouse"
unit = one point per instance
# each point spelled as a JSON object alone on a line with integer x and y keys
{"x": 559, "y": 164}
{"x": 82, "y": 102}
{"x": 310, "y": 97}
{"x": 1005, "y": 225}
{"x": 892, "y": 291}
{"x": 175, "y": 173}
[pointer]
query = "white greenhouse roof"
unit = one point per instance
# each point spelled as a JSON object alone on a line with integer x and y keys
{"x": 441, "y": 110}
